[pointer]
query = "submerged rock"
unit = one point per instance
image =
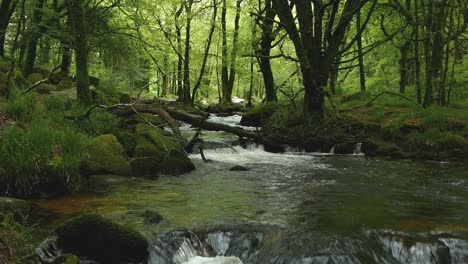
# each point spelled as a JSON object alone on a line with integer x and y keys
{"x": 105, "y": 155}
{"x": 102, "y": 240}
{"x": 151, "y": 217}
{"x": 239, "y": 168}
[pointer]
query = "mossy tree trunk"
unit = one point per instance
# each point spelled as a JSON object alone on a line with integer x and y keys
{"x": 33, "y": 38}
{"x": 317, "y": 38}
{"x": 7, "y": 7}
{"x": 78, "y": 21}
{"x": 265, "y": 51}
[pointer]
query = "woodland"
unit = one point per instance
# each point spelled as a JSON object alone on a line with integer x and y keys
{"x": 114, "y": 87}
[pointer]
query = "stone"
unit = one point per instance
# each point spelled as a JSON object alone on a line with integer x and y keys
{"x": 176, "y": 162}
{"x": 65, "y": 85}
{"x": 34, "y": 77}
{"x": 102, "y": 240}
{"x": 45, "y": 88}
{"x": 106, "y": 155}
{"x": 239, "y": 168}
{"x": 15, "y": 206}
{"x": 151, "y": 217}
{"x": 125, "y": 98}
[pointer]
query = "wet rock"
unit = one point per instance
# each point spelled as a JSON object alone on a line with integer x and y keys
{"x": 105, "y": 155}
{"x": 344, "y": 148}
{"x": 239, "y": 168}
{"x": 377, "y": 147}
{"x": 151, "y": 217}
{"x": 128, "y": 142}
{"x": 102, "y": 240}
{"x": 144, "y": 167}
{"x": 176, "y": 162}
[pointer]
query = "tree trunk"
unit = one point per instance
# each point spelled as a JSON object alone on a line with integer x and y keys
{"x": 224, "y": 54}
{"x": 166, "y": 76}
{"x": 265, "y": 51}
{"x": 7, "y": 7}
{"x": 78, "y": 19}
{"x": 404, "y": 50}
{"x": 207, "y": 51}
{"x": 33, "y": 38}
{"x": 362, "y": 74}
{"x": 416, "y": 52}
{"x": 186, "y": 89}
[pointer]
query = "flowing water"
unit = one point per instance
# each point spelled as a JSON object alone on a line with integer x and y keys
{"x": 292, "y": 208}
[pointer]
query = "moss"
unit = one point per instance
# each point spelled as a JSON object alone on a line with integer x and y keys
{"x": 34, "y": 77}
{"x": 259, "y": 114}
{"x": 128, "y": 141}
{"x": 145, "y": 166}
{"x": 102, "y": 240}
{"x": 65, "y": 85}
{"x": 45, "y": 88}
{"x": 378, "y": 147}
{"x": 106, "y": 155}
{"x": 176, "y": 162}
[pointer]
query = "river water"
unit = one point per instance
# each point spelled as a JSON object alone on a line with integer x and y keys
{"x": 291, "y": 208}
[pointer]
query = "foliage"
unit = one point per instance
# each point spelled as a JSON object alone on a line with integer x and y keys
{"x": 21, "y": 107}
{"x": 38, "y": 155}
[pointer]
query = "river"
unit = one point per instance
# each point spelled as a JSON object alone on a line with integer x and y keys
{"x": 291, "y": 208}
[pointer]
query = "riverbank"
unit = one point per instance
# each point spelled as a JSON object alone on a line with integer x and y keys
{"x": 387, "y": 128}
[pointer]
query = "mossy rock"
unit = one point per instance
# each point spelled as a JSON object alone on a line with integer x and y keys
{"x": 106, "y": 155}
{"x": 176, "y": 162}
{"x": 45, "y": 88}
{"x": 128, "y": 142}
{"x": 134, "y": 120}
{"x": 379, "y": 147}
{"x": 34, "y": 77}
{"x": 65, "y": 85}
{"x": 125, "y": 98}
{"x": 145, "y": 166}
{"x": 102, "y": 240}
{"x": 154, "y": 142}
{"x": 14, "y": 206}
{"x": 66, "y": 259}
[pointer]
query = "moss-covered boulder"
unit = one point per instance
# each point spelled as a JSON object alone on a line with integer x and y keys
{"x": 105, "y": 155}
{"x": 133, "y": 120}
{"x": 14, "y": 206}
{"x": 102, "y": 240}
{"x": 128, "y": 142}
{"x": 157, "y": 151}
{"x": 379, "y": 147}
{"x": 45, "y": 88}
{"x": 176, "y": 162}
{"x": 65, "y": 85}
{"x": 34, "y": 77}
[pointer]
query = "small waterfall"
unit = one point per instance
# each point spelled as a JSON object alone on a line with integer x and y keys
{"x": 332, "y": 150}
{"x": 176, "y": 247}
{"x": 357, "y": 150}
